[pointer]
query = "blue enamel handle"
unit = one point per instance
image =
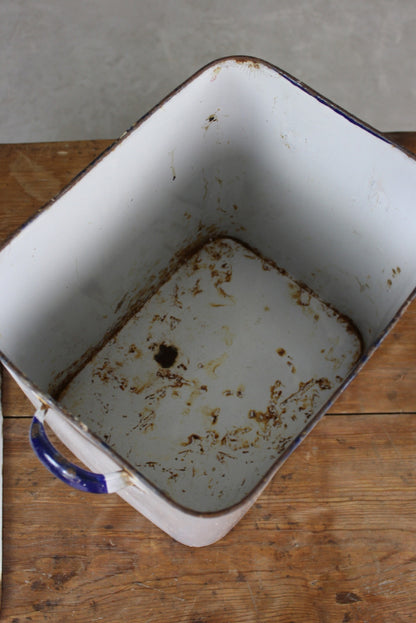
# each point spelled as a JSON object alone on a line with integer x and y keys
{"x": 68, "y": 472}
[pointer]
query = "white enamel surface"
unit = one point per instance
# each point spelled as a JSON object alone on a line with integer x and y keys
{"x": 240, "y": 150}
{"x": 254, "y": 357}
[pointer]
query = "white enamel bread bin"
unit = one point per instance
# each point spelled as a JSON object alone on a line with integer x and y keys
{"x": 187, "y": 309}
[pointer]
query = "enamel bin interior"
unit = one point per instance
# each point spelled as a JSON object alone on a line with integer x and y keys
{"x": 190, "y": 306}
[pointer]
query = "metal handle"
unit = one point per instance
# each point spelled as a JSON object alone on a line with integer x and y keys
{"x": 68, "y": 472}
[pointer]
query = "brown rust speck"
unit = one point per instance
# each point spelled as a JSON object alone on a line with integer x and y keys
{"x": 138, "y": 390}
{"x": 176, "y": 299}
{"x": 301, "y": 294}
{"x": 324, "y": 383}
{"x": 173, "y": 322}
{"x": 133, "y": 350}
{"x": 221, "y": 456}
{"x": 176, "y": 379}
{"x": 249, "y": 62}
{"x": 191, "y": 438}
{"x": 196, "y": 288}
{"x": 281, "y": 352}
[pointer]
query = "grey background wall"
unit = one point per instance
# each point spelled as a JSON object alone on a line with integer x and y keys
{"x": 72, "y": 69}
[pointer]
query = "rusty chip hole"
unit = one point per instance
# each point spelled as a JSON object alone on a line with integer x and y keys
{"x": 166, "y": 355}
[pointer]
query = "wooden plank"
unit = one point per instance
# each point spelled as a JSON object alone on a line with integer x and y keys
{"x": 31, "y": 174}
{"x": 331, "y": 539}
{"x": 387, "y": 383}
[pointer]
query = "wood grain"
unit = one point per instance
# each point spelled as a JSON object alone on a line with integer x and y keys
{"x": 331, "y": 540}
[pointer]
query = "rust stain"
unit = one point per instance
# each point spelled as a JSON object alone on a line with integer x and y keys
{"x": 197, "y": 288}
{"x": 249, "y": 62}
{"x": 304, "y": 400}
{"x": 194, "y": 394}
{"x": 238, "y": 393}
{"x": 190, "y": 439}
{"x": 146, "y": 420}
{"x": 300, "y": 293}
{"x": 173, "y": 322}
{"x": 212, "y": 118}
{"x": 133, "y": 350}
{"x": 215, "y": 413}
{"x": 212, "y": 366}
{"x": 176, "y": 297}
{"x": 221, "y": 275}
{"x": 215, "y": 73}
{"x": 228, "y": 336}
{"x": 234, "y": 439}
{"x": 176, "y": 379}
{"x": 221, "y": 456}
{"x": 336, "y": 361}
{"x": 172, "y": 164}
{"x": 138, "y": 390}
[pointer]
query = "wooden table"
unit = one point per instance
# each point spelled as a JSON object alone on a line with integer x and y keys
{"x": 333, "y": 538}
